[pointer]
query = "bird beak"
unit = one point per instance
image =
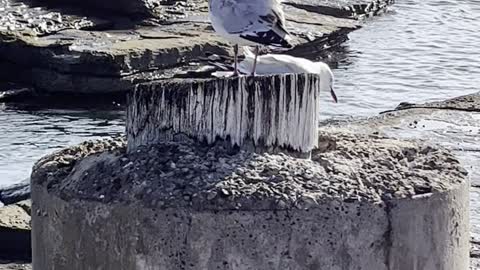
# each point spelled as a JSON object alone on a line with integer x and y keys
{"x": 334, "y": 96}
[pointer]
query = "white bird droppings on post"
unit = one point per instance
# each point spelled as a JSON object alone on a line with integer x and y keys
{"x": 270, "y": 111}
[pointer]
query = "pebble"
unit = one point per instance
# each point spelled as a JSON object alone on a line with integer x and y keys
{"x": 128, "y": 165}
{"x": 211, "y": 195}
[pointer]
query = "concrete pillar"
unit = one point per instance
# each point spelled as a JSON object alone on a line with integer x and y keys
{"x": 191, "y": 190}
{"x": 96, "y": 236}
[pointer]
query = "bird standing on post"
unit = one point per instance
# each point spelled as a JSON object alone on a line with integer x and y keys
{"x": 249, "y": 23}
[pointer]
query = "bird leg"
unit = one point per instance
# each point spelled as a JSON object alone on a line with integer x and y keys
{"x": 255, "y": 61}
{"x": 235, "y": 60}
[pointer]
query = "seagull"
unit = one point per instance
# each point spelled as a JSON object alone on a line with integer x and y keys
{"x": 270, "y": 64}
{"x": 249, "y": 23}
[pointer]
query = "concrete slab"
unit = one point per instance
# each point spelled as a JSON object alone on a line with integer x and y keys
{"x": 362, "y": 202}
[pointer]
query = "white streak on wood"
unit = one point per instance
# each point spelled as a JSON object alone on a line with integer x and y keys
{"x": 271, "y": 111}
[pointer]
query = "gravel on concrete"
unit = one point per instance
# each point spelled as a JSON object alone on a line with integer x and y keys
{"x": 347, "y": 168}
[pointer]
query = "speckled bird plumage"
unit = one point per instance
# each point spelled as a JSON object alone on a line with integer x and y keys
{"x": 250, "y": 23}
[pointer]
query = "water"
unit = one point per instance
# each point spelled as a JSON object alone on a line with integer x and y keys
{"x": 29, "y": 133}
{"x": 419, "y": 51}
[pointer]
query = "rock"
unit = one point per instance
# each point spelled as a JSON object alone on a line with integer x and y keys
{"x": 26, "y": 205}
{"x": 14, "y": 265}
{"x": 463, "y": 103}
{"x": 453, "y": 123}
{"x": 15, "y": 218}
{"x": 11, "y": 92}
{"x": 15, "y": 230}
{"x": 340, "y": 8}
{"x": 73, "y": 51}
{"x": 15, "y": 193}
{"x": 127, "y": 7}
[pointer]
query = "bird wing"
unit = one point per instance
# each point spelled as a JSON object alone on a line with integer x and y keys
{"x": 259, "y": 21}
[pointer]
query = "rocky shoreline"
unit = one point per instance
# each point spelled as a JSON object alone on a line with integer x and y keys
{"x": 54, "y": 48}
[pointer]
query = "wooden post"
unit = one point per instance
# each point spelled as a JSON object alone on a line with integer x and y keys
{"x": 262, "y": 113}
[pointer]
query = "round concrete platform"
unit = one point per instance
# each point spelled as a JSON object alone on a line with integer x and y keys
{"x": 360, "y": 203}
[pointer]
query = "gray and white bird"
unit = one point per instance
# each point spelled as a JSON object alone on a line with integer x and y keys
{"x": 274, "y": 64}
{"x": 282, "y": 64}
{"x": 250, "y": 23}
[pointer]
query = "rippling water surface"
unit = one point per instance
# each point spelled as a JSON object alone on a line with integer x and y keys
{"x": 419, "y": 51}
{"x": 29, "y": 133}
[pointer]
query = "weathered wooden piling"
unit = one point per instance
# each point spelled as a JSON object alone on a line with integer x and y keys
{"x": 266, "y": 113}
